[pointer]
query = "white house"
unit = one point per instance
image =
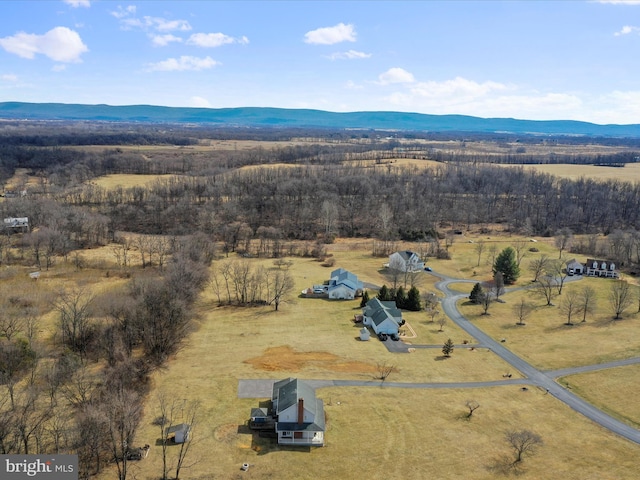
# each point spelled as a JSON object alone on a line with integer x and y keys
{"x": 299, "y": 414}
{"x": 382, "y": 317}
{"x": 600, "y": 268}
{"x": 15, "y": 223}
{"x": 344, "y": 285}
{"x": 406, "y": 261}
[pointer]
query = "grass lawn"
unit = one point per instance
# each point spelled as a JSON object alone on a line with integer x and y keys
{"x": 416, "y": 433}
{"x": 547, "y": 342}
{"x": 610, "y": 390}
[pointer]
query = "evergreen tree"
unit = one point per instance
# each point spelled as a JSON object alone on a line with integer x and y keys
{"x": 476, "y": 294}
{"x": 383, "y": 294}
{"x": 413, "y": 303}
{"x": 447, "y": 348}
{"x": 401, "y": 298}
{"x": 507, "y": 265}
{"x": 365, "y": 299}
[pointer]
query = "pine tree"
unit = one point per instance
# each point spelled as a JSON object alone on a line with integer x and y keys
{"x": 414, "y": 304}
{"x": 365, "y": 299}
{"x": 476, "y": 294}
{"x": 506, "y": 264}
{"x": 383, "y": 294}
{"x": 401, "y": 298}
{"x": 447, "y": 348}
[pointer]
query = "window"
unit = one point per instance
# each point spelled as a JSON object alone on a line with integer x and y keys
{"x": 287, "y": 434}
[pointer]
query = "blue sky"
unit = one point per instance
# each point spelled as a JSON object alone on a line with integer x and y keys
{"x": 536, "y": 60}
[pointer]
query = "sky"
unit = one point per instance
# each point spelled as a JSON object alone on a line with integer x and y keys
{"x": 536, "y": 60}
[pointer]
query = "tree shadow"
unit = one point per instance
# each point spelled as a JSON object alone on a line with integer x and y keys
{"x": 504, "y": 465}
{"x": 440, "y": 358}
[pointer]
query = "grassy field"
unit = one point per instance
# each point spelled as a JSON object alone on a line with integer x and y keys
{"x": 610, "y": 390}
{"x": 382, "y": 432}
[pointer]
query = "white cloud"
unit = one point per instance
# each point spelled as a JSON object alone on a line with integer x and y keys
{"x": 620, "y": 2}
{"x": 164, "y": 40}
{"x": 60, "y": 44}
{"x": 395, "y": 75}
{"x": 154, "y": 23}
{"x": 124, "y": 12}
{"x": 348, "y": 55}
{"x": 183, "y": 63}
{"x": 351, "y": 85}
{"x": 78, "y": 3}
{"x": 458, "y": 87}
{"x": 626, "y": 30}
{"x": 331, "y": 35}
{"x": 211, "y": 40}
{"x": 59, "y": 67}
{"x": 9, "y": 77}
{"x": 199, "y": 102}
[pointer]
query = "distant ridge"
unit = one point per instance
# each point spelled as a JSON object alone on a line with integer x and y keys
{"x": 282, "y": 117}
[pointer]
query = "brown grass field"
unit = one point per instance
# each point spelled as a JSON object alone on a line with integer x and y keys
{"x": 383, "y": 432}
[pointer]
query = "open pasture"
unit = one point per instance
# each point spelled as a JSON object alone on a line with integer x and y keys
{"x": 419, "y": 432}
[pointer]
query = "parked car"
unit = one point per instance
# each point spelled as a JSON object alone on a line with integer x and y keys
{"x": 382, "y": 337}
{"x": 428, "y": 269}
{"x": 395, "y": 337}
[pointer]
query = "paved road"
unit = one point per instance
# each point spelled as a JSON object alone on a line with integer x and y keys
{"x": 544, "y": 380}
{"x": 533, "y": 375}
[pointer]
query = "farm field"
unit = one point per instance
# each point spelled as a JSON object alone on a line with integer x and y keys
{"x": 420, "y": 432}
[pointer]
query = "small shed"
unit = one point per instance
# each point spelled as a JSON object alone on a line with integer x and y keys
{"x": 179, "y": 433}
{"x": 364, "y": 334}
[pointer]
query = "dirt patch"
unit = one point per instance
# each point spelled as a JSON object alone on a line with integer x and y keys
{"x": 286, "y": 358}
{"x": 226, "y": 433}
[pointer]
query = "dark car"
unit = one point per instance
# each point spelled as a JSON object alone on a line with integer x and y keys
{"x": 394, "y": 337}
{"x": 428, "y": 269}
{"x": 382, "y": 337}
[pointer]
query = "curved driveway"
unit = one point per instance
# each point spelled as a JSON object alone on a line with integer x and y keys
{"x": 534, "y": 376}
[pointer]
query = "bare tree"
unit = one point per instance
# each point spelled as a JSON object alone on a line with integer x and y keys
{"x": 472, "y": 405}
{"x": 546, "y": 288}
{"x": 570, "y": 306}
{"x": 486, "y": 299}
{"x": 479, "y": 249}
{"x": 523, "y": 442}
{"x": 520, "y": 246}
{"x": 493, "y": 253}
{"x": 442, "y": 321}
{"x": 563, "y": 240}
{"x": 74, "y": 308}
{"x": 522, "y": 310}
{"x": 122, "y": 412}
{"x": 191, "y": 417}
{"x": 557, "y": 269}
{"x": 280, "y": 284}
{"x": 384, "y": 370}
{"x": 620, "y": 297}
{"x": 588, "y": 301}
{"x": 537, "y": 266}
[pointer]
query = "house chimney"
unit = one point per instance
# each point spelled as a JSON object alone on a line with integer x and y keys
{"x": 301, "y": 410}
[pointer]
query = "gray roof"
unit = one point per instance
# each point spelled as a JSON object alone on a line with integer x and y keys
{"x": 317, "y": 426}
{"x": 374, "y": 306}
{"x": 406, "y": 254}
{"x": 288, "y": 391}
{"x": 182, "y": 427}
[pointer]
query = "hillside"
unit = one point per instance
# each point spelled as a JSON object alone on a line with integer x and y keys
{"x": 280, "y": 117}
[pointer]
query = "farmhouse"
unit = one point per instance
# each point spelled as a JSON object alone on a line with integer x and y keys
{"x": 406, "y": 261}
{"x": 298, "y": 413}
{"x": 600, "y": 268}
{"x": 382, "y": 317}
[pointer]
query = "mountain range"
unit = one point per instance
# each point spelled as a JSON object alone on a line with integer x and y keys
{"x": 282, "y": 117}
